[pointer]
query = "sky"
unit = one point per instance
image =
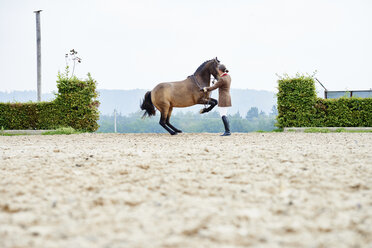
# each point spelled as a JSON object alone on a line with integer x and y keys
{"x": 138, "y": 44}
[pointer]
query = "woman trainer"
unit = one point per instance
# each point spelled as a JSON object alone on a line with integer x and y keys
{"x": 224, "y": 98}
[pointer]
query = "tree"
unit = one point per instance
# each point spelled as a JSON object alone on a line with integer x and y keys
{"x": 236, "y": 115}
{"x": 188, "y": 122}
{"x": 252, "y": 113}
{"x": 274, "y": 111}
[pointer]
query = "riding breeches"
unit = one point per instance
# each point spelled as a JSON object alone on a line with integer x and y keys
{"x": 223, "y": 111}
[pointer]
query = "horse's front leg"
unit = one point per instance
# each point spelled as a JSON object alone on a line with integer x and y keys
{"x": 212, "y": 103}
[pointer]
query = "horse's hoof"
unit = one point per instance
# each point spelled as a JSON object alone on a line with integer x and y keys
{"x": 178, "y": 131}
{"x": 202, "y": 111}
{"x": 175, "y": 133}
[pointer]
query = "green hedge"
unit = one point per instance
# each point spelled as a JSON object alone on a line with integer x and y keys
{"x": 298, "y": 106}
{"x": 75, "y": 106}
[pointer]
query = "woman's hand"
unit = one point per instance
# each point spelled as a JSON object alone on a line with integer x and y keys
{"x": 204, "y": 89}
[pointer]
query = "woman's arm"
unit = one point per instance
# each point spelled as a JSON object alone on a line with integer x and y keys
{"x": 217, "y": 85}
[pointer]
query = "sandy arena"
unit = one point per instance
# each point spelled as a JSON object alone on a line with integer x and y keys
{"x": 190, "y": 190}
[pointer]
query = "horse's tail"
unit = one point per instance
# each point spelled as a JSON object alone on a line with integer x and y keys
{"x": 147, "y": 105}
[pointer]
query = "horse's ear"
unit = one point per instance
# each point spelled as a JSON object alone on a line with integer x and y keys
{"x": 217, "y": 60}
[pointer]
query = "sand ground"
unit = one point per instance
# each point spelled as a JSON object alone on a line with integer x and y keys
{"x": 190, "y": 190}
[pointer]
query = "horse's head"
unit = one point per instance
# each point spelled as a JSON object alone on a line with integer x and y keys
{"x": 213, "y": 67}
{"x": 208, "y": 68}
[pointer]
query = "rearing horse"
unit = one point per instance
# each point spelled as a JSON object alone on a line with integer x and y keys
{"x": 180, "y": 94}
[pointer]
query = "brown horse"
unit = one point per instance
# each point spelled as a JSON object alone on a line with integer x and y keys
{"x": 180, "y": 94}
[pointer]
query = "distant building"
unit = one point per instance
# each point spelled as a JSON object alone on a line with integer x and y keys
{"x": 333, "y": 94}
{"x": 328, "y": 94}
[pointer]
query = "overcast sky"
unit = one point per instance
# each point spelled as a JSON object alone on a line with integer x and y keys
{"x": 137, "y": 44}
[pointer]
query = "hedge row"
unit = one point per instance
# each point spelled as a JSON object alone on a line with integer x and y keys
{"x": 75, "y": 106}
{"x": 298, "y": 106}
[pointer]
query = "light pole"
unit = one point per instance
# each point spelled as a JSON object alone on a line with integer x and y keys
{"x": 38, "y": 54}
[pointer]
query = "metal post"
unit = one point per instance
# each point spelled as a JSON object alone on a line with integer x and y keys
{"x": 115, "y": 120}
{"x": 325, "y": 89}
{"x": 38, "y": 52}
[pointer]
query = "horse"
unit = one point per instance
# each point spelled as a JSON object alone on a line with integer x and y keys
{"x": 180, "y": 94}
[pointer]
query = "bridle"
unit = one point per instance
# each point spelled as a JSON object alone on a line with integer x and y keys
{"x": 193, "y": 78}
{"x": 196, "y": 81}
{"x": 205, "y": 94}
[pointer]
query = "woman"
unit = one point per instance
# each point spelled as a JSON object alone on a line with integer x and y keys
{"x": 224, "y": 98}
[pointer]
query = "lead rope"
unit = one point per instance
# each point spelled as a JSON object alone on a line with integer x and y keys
{"x": 197, "y": 83}
{"x": 205, "y": 93}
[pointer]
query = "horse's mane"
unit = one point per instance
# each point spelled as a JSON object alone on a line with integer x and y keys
{"x": 201, "y": 67}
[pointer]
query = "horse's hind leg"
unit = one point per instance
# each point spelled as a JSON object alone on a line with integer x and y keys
{"x": 163, "y": 121}
{"x": 213, "y": 102}
{"x": 170, "y": 125}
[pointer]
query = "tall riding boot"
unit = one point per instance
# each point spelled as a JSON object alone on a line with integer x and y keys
{"x": 227, "y": 126}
